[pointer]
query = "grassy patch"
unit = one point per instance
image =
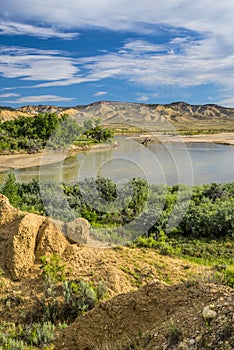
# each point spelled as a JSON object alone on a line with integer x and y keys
{"x": 217, "y": 254}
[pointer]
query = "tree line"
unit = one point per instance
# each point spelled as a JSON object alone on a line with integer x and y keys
{"x": 31, "y": 134}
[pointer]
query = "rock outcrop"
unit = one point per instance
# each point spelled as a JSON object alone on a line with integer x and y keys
{"x": 50, "y": 240}
{"x": 20, "y": 244}
{"x": 24, "y": 237}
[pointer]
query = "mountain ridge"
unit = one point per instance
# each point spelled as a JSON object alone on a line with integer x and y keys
{"x": 180, "y": 114}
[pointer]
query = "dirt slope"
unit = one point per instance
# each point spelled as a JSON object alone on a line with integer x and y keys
{"x": 156, "y": 317}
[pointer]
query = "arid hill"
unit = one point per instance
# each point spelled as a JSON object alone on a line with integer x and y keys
{"x": 182, "y": 115}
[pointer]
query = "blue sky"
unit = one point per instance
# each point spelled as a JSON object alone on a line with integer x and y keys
{"x": 74, "y": 52}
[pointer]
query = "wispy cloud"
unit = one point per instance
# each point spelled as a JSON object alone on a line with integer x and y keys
{"x": 143, "y": 98}
{"x": 201, "y": 15}
{"x": 37, "y": 65}
{"x": 15, "y": 28}
{"x": 205, "y": 57}
{"x": 228, "y": 101}
{"x": 100, "y": 93}
{"x": 40, "y": 99}
{"x": 142, "y": 46}
{"x": 179, "y": 62}
{"x": 77, "y": 79}
{"x": 8, "y": 95}
{"x": 183, "y": 63}
{"x": 19, "y": 51}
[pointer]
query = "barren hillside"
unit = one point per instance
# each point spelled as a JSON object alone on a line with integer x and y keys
{"x": 182, "y": 115}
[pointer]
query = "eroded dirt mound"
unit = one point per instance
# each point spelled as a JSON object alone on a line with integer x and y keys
{"x": 25, "y": 237}
{"x": 156, "y": 316}
{"x": 7, "y": 212}
{"x": 20, "y": 242}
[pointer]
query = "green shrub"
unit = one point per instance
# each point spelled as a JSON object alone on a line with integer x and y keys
{"x": 63, "y": 299}
{"x": 229, "y": 277}
{"x": 39, "y": 334}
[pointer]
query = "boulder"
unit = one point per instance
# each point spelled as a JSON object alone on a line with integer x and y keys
{"x": 77, "y": 231}
{"x": 208, "y": 314}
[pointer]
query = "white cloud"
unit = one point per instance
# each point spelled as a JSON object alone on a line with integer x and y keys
{"x": 183, "y": 63}
{"x": 179, "y": 63}
{"x": 141, "y": 46}
{"x": 143, "y": 98}
{"x": 18, "y": 50}
{"x": 100, "y": 93}
{"x": 228, "y": 101}
{"x": 37, "y": 65}
{"x": 201, "y": 15}
{"x": 78, "y": 79}
{"x": 15, "y": 28}
{"x": 41, "y": 99}
{"x": 8, "y": 95}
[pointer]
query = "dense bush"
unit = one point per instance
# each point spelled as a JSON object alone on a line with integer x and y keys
{"x": 210, "y": 213}
{"x": 34, "y": 133}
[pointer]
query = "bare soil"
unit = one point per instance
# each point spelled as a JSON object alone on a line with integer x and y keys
{"x": 156, "y": 316}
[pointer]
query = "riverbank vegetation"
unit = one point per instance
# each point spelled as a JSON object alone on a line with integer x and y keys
{"x": 31, "y": 134}
{"x": 206, "y": 211}
{"x": 203, "y": 216}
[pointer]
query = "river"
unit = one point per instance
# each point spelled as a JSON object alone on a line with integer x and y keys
{"x": 169, "y": 163}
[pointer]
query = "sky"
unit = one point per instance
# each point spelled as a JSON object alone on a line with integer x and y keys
{"x": 75, "y": 52}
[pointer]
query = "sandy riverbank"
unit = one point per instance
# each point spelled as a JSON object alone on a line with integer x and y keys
{"x": 221, "y": 138}
{"x": 25, "y": 160}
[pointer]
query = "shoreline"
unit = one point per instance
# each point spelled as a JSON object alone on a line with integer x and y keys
{"x": 25, "y": 160}
{"x": 223, "y": 138}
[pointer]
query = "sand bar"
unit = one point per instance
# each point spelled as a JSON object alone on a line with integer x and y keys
{"x": 221, "y": 138}
{"x": 25, "y": 160}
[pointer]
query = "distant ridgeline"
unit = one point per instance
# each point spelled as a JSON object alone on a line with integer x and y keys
{"x": 181, "y": 114}
{"x": 31, "y": 134}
